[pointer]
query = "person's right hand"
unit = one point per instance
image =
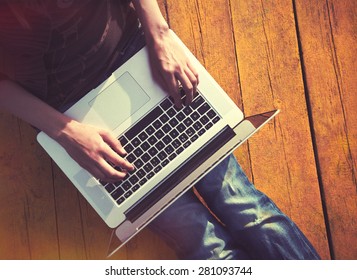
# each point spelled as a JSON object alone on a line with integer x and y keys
{"x": 93, "y": 148}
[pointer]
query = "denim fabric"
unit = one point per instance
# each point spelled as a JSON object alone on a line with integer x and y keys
{"x": 254, "y": 228}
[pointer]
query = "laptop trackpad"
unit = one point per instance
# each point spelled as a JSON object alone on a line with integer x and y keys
{"x": 119, "y": 101}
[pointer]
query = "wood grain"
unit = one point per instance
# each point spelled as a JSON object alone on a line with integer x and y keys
{"x": 282, "y": 156}
{"x": 298, "y": 56}
{"x": 328, "y": 33}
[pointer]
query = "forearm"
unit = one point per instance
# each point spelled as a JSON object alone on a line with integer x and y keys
{"x": 17, "y": 101}
{"x": 153, "y": 22}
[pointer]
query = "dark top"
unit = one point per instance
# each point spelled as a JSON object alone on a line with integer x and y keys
{"x": 59, "y": 49}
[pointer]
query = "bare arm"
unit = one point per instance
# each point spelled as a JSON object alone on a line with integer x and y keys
{"x": 91, "y": 147}
{"x": 169, "y": 63}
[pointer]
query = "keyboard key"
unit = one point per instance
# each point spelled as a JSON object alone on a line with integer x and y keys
{"x": 157, "y": 169}
{"x": 152, "y": 140}
{"x": 194, "y": 138}
{"x": 171, "y": 112}
{"x": 187, "y": 111}
{"x": 162, "y": 155}
{"x": 176, "y": 143}
{"x": 197, "y": 102}
{"x": 169, "y": 149}
{"x": 186, "y": 144}
{"x": 204, "y": 108}
{"x": 204, "y": 120}
{"x": 128, "y": 193}
{"x": 159, "y": 145}
{"x": 140, "y": 173}
{"x": 190, "y": 131}
{"x": 148, "y": 167}
{"x": 103, "y": 183}
{"x": 131, "y": 158}
{"x": 145, "y": 157}
{"x": 133, "y": 179}
{"x": 117, "y": 193}
{"x": 142, "y": 182}
{"x": 138, "y": 152}
{"x": 164, "y": 118}
{"x": 165, "y": 162}
{"x": 172, "y": 156}
{"x": 159, "y": 134}
{"x": 179, "y": 150}
{"x": 174, "y": 133}
{"x": 129, "y": 148}
{"x": 181, "y": 127}
{"x": 138, "y": 163}
{"x": 166, "y": 128}
{"x": 123, "y": 141}
{"x": 173, "y": 122}
{"x": 143, "y": 123}
{"x": 211, "y": 114}
{"x": 157, "y": 124}
{"x": 167, "y": 139}
{"x": 150, "y": 130}
{"x": 188, "y": 121}
{"x": 153, "y": 151}
{"x": 201, "y": 132}
{"x": 150, "y": 175}
{"x": 143, "y": 136}
{"x": 126, "y": 185}
{"x": 166, "y": 104}
{"x": 136, "y": 187}
{"x": 183, "y": 137}
{"x": 197, "y": 126}
{"x": 145, "y": 146}
{"x": 195, "y": 116}
{"x": 135, "y": 142}
{"x": 208, "y": 126}
{"x": 154, "y": 161}
{"x": 118, "y": 184}
{"x": 180, "y": 116}
{"x": 120, "y": 200}
{"x": 110, "y": 188}
{"x": 216, "y": 119}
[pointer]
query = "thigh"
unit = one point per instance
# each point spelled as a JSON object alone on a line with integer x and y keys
{"x": 190, "y": 229}
{"x": 251, "y": 217}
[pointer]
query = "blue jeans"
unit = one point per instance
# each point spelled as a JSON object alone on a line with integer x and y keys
{"x": 250, "y": 227}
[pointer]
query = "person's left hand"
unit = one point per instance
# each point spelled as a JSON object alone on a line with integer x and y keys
{"x": 171, "y": 67}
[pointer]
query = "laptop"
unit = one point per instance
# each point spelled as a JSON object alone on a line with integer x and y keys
{"x": 171, "y": 148}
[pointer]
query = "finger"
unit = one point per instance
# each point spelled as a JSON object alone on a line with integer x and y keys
{"x": 95, "y": 172}
{"x": 187, "y": 85}
{"x": 172, "y": 86}
{"x": 117, "y": 160}
{"x": 194, "y": 72}
{"x": 113, "y": 142}
{"x": 110, "y": 173}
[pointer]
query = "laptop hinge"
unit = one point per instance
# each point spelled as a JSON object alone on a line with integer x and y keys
{"x": 179, "y": 174}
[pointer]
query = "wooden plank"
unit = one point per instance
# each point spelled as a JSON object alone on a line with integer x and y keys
{"x": 27, "y": 216}
{"x": 68, "y": 217}
{"x": 328, "y": 33}
{"x": 206, "y": 31}
{"x": 282, "y": 156}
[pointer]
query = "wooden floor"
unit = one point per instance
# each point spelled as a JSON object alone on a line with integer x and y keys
{"x": 299, "y": 56}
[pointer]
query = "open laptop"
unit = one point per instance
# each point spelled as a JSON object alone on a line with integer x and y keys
{"x": 170, "y": 148}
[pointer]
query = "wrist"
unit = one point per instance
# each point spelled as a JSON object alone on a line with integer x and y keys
{"x": 156, "y": 33}
{"x": 63, "y": 131}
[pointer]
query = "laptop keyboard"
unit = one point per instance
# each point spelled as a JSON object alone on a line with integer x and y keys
{"x": 157, "y": 139}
